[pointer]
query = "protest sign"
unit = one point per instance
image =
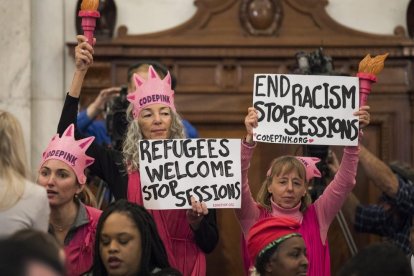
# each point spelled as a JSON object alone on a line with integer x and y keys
{"x": 174, "y": 170}
{"x": 306, "y": 109}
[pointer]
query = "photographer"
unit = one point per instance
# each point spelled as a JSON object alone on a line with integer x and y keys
{"x": 88, "y": 122}
{"x": 392, "y": 217}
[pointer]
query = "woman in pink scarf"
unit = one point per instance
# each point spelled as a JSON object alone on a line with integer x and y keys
{"x": 284, "y": 193}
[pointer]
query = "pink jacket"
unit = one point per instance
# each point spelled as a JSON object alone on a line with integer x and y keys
{"x": 79, "y": 251}
{"x": 315, "y": 221}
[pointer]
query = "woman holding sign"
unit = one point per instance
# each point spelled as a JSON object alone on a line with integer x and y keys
{"x": 284, "y": 193}
{"x": 187, "y": 235}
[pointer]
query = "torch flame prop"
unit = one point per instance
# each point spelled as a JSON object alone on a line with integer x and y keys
{"x": 89, "y": 13}
{"x": 368, "y": 70}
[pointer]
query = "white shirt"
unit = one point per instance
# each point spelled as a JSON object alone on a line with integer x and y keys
{"x": 31, "y": 211}
{"x": 412, "y": 264}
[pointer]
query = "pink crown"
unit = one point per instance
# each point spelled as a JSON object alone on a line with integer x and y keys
{"x": 70, "y": 151}
{"x": 310, "y": 167}
{"x": 151, "y": 91}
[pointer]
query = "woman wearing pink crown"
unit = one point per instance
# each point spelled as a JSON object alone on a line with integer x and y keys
{"x": 187, "y": 235}
{"x": 73, "y": 223}
{"x": 284, "y": 193}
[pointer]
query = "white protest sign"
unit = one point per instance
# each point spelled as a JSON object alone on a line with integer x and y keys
{"x": 174, "y": 170}
{"x": 306, "y": 109}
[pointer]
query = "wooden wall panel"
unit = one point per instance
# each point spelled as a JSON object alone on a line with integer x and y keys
{"x": 214, "y": 59}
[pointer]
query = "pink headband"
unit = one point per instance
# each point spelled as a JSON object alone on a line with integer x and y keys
{"x": 70, "y": 151}
{"x": 151, "y": 91}
{"x": 310, "y": 167}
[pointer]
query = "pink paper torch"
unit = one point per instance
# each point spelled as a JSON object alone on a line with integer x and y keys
{"x": 89, "y": 13}
{"x": 368, "y": 70}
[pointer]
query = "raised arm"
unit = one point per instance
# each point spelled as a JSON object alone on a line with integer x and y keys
{"x": 332, "y": 199}
{"x": 106, "y": 161}
{"x": 249, "y": 212}
{"x": 379, "y": 172}
{"x": 83, "y": 59}
{"x": 98, "y": 105}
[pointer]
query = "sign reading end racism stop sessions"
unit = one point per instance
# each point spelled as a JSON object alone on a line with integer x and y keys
{"x": 174, "y": 170}
{"x": 305, "y": 109}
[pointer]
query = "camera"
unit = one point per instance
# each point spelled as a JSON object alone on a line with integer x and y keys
{"x": 116, "y": 122}
{"x": 316, "y": 63}
{"x": 318, "y": 184}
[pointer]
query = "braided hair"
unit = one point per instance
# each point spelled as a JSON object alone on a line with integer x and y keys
{"x": 153, "y": 250}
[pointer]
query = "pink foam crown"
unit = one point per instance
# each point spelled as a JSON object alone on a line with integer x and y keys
{"x": 70, "y": 151}
{"x": 151, "y": 91}
{"x": 310, "y": 166}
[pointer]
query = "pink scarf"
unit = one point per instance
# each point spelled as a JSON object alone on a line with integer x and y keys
{"x": 175, "y": 232}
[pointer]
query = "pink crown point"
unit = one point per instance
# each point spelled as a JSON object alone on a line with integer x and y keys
{"x": 70, "y": 151}
{"x": 89, "y": 23}
{"x": 365, "y": 82}
{"x": 153, "y": 90}
{"x": 310, "y": 166}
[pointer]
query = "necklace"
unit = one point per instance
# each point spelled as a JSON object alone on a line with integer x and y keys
{"x": 60, "y": 228}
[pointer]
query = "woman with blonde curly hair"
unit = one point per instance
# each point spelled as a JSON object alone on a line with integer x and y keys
{"x": 186, "y": 234}
{"x": 23, "y": 204}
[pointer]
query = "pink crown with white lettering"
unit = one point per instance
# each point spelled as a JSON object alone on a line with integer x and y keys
{"x": 151, "y": 91}
{"x": 310, "y": 167}
{"x": 70, "y": 151}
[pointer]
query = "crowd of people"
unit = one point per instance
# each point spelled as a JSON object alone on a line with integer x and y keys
{"x": 53, "y": 227}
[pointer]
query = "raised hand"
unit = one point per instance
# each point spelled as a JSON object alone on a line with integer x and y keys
{"x": 364, "y": 116}
{"x": 83, "y": 53}
{"x": 250, "y": 122}
{"x": 98, "y": 105}
{"x": 196, "y": 213}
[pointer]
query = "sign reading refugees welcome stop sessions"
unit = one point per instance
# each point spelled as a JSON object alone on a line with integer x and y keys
{"x": 305, "y": 109}
{"x": 174, "y": 170}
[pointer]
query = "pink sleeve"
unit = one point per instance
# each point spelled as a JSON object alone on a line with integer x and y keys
{"x": 332, "y": 199}
{"x": 249, "y": 211}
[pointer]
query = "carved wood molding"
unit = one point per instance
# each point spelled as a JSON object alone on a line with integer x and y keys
{"x": 261, "y": 17}
{"x": 206, "y": 9}
{"x": 304, "y": 23}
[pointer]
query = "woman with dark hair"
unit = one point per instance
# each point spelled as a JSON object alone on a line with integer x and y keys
{"x": 277, "y": 248}
{"x": 127, "y": 242}
{"x": 46, "y": 242}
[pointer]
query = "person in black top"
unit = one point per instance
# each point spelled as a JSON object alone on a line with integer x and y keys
{"x": 186, "y": 234}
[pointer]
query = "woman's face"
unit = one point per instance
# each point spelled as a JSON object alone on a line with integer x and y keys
{"x": 60, "y": 182}
{"x": 120, "y": 245}
{"x": 155, "y": 121}
{"x": 287, "y": 189}
{"x": 289, "y": 259}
